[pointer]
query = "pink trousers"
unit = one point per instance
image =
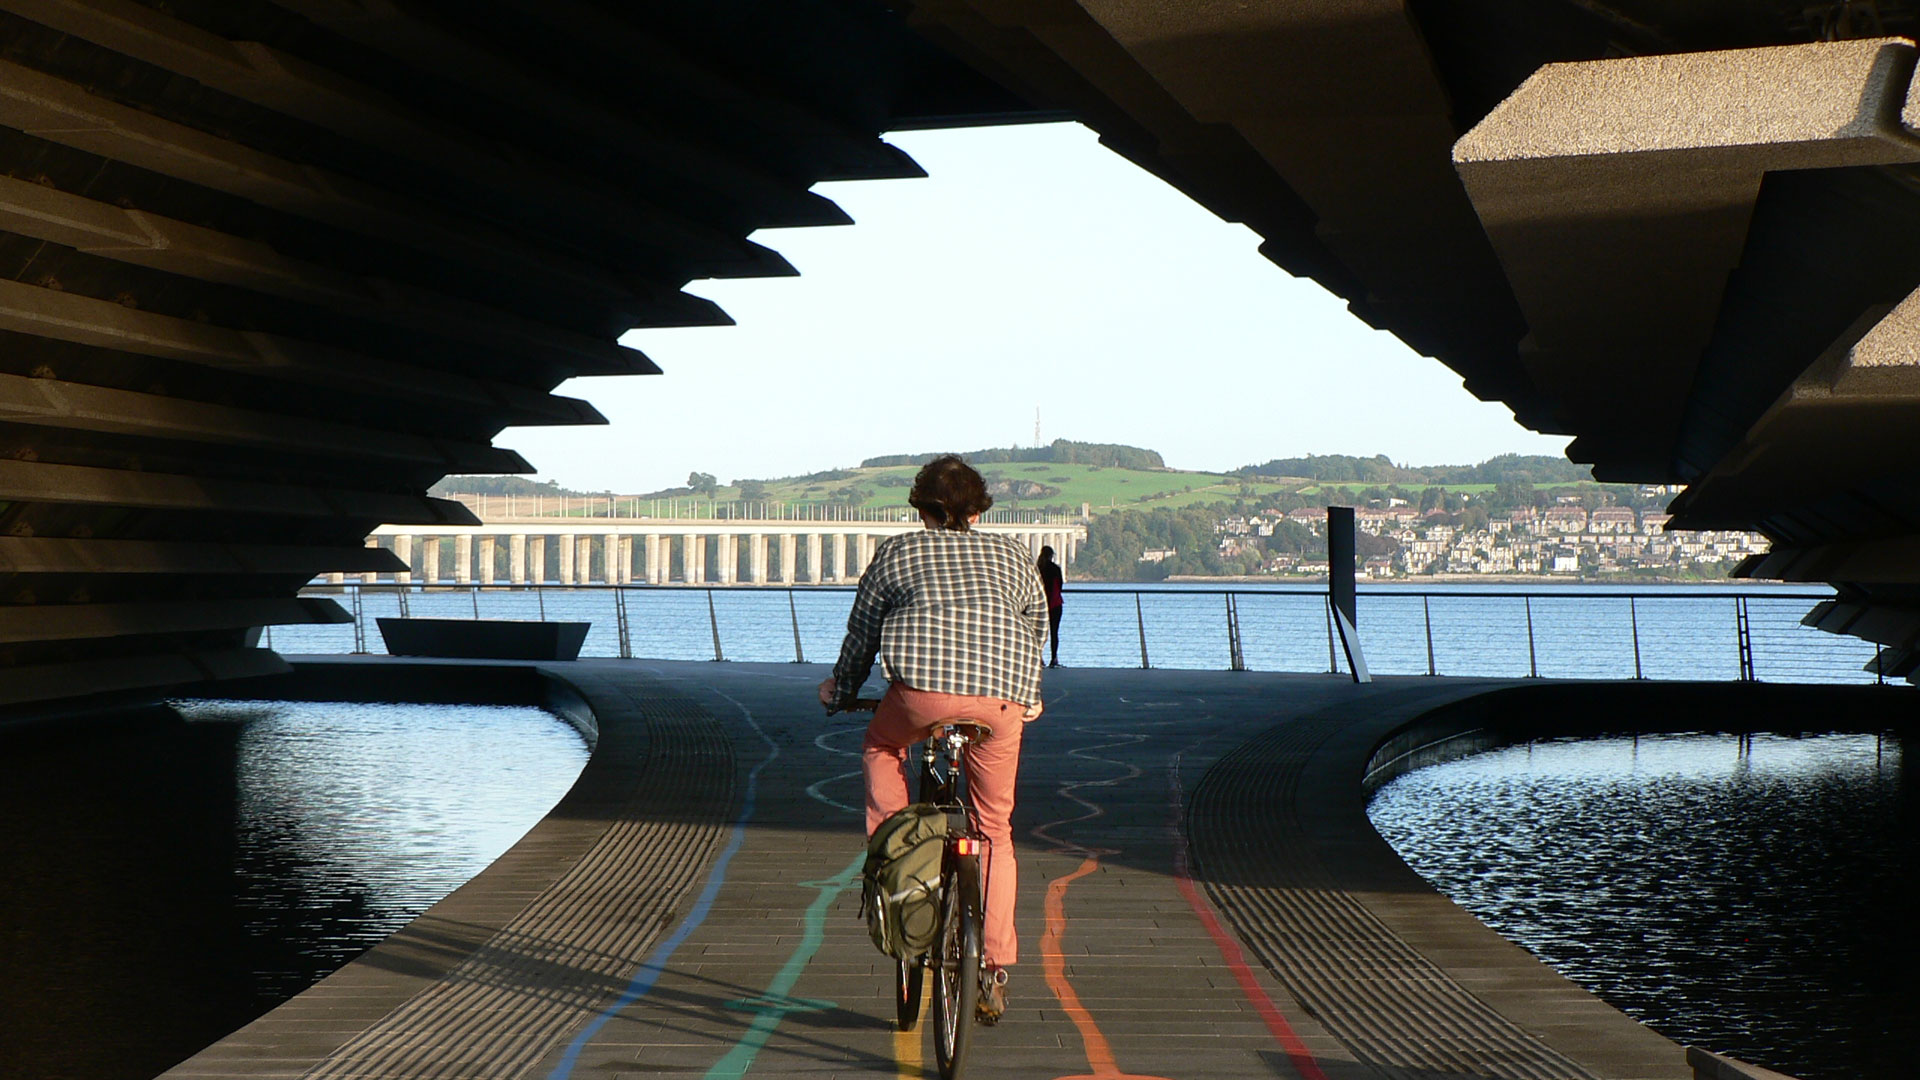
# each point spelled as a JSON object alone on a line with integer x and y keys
{"x": 903, "y": 718}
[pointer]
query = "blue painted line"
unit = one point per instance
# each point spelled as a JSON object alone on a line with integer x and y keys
{"x": 656, "y": 963}
{"x": 773, "y": 1006}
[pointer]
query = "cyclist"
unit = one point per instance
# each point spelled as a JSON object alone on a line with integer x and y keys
{"x": 958, "y": 619}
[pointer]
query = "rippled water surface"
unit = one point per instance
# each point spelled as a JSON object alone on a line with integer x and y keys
{"x": 1755, "y": 898}
{"x": 169, "y": 881}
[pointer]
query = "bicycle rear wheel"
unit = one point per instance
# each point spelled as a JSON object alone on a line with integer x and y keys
{"x": 906, "y": 998}
{"x": 956, "y": 988}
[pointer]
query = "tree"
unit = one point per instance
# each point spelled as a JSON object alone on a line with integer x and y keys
{"x": 752, "y": 490}
{"x": 702, "y": 483}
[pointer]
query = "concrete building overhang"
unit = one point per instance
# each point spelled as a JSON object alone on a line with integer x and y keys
{"x": 276, "y": 266}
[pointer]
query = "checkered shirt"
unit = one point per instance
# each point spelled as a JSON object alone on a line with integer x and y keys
{"x": 948, "y": 612}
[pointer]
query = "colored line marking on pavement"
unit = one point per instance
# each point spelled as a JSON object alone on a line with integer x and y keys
{"x": 656, "y": 963}
{"x": 909, "y": 1062}
{"x": 1053, "y": 959}
{"x": 773, "y": 1006}
{"x": 1296, "y": 1050}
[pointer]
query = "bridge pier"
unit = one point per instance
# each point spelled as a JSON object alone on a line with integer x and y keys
{"x": 517, "y": 559}
{"x": 656, "y": 555}
{"x": 567, "y": 550}
{"x": 788, "y": 557}
{"x": 610, "y": 548}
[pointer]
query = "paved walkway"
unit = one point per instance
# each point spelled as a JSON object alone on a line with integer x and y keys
{"x": 1200, "y": 897}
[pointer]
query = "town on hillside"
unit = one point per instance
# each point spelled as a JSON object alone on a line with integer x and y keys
{"x": 1560, "y": 540}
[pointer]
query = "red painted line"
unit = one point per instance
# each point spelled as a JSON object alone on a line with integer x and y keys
{"x": 1297, "y": 1053}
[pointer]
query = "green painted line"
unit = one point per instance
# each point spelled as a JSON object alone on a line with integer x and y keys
{"x": 773, "y": 1006}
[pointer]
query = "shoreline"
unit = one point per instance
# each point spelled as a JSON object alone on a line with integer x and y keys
{"x": 1443, "y": 579}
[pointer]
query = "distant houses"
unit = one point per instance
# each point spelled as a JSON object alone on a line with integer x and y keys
{"x": 1562, "y": 539}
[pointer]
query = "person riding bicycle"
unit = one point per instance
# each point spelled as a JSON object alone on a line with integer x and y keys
{"x": 958, "y": 619}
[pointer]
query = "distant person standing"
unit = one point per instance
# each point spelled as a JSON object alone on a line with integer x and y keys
{"x": 1054, "y": 581}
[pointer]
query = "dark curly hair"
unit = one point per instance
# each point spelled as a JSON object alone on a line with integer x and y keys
{"x": 950, "y": 491}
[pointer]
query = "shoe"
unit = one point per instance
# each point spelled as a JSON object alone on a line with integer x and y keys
{"x": 993, "y": 995}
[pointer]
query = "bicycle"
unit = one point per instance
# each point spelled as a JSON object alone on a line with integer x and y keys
{"x": 956, "y": 952}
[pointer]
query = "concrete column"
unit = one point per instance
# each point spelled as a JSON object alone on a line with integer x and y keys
{"x": 337, "y": 578}
{"x": 462, "y": 559}
{"x": 610, "y": 552}
{"x": 403, "y": 549}
{"x": 583, "y": 560}
{"x": 725, "y": 558}
{"x": 566, "y": 558}
{"x": 430, "y": 560}
{"x": 656, "y": 560}
{"x": 837, "y": 564}
{"x": 517, "y": 558}
{"x": 789, "y": 558}
{"x": 813, "y": 558}
{"x": 626, "y": 557}
{"x": 537, "y": 559}
{"x": 485, "y": 558}
{"x": 692, "y": 550}
{"x": 370, "y": 578}
{"x": 757, "y": 558}
{"x": 863, "y": 554}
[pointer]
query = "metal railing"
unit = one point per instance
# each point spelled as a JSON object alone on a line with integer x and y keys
{"x": 1724, "y": 633}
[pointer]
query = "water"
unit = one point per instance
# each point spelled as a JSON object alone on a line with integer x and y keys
{"x": 1756, "y": 901}
{"x": 167, "y": 882}
{"x": 1578, "y": 631}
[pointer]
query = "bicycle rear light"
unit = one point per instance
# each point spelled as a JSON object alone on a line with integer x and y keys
{"x": 966, "y": 845}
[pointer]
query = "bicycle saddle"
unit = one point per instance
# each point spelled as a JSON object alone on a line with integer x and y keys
{"x": 973, "y": 730}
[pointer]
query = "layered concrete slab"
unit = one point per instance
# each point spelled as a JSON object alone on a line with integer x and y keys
{"x": 1618, "y": 195}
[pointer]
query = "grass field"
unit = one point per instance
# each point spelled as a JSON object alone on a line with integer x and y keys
{"x": 1101, "y": 488}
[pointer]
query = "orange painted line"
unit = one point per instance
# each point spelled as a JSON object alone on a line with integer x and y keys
{"x": 1290, "y": 1042}
{"x": 1053, "y": 961}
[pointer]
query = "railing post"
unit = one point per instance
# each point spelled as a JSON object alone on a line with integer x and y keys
{"x": 1533, "y": 660}
{"x": 1235, "y": 661}
{"x": 799, "y": 657}
{"x": 1745, "y": 634}
{"x": 359, "y": 624}
{"x": 540, "y": 597}
{"x": 626, "y": 626}
{"x": 713, "y": 619}
{"x": 1633, "y": 613}
{"x": 1426, "y": 608}
{"x": 473, "y": 591}
{"x": 1333, "y": 660}
{"x": 1140, "y": 618}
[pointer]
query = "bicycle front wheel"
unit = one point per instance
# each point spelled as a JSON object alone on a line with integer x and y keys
{"x": 957, "y": 953}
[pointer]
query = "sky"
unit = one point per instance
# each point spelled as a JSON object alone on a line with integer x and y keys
{"x": 1031, "y": 270}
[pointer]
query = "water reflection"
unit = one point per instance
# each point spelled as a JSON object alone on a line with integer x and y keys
{"x": 1753, "y": 896}
{"x": 169, "y": 881}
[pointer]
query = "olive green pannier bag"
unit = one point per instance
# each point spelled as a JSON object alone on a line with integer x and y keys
{"x": 900, "y": 885}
